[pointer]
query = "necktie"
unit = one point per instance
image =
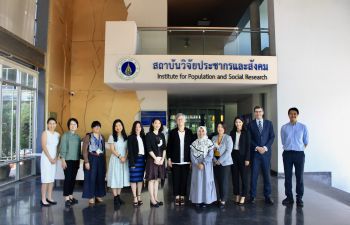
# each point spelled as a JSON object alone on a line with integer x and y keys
{"x": 260, "y": 127}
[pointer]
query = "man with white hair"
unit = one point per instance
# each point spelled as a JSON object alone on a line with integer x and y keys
{"x": 178, "y": 153}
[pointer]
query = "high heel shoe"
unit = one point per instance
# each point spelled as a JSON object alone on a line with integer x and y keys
{"x": 51, "y": 202}
{"x": 43, "y": 204}
{"x": 154, "y": 205}
{"x": 135, "y": 204}
{"x": 139, "y": 201}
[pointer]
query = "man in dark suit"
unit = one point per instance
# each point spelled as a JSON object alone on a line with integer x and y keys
{"x": 262, "y": 137}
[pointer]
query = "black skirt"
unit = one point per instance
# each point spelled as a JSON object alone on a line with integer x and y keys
{"x": 154, "y": 171}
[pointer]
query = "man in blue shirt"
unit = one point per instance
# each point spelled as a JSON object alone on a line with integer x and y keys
{"x": 295, "y": 138}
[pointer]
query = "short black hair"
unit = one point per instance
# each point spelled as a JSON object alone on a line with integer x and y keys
{"x": 95, "y": 123}
{"x": 151, "y": 128}
{"x": 293, "y": 109}
{"x": 51, "y": 118}
{"x": 70, "y": 120}
{"x": 258, "y": 107}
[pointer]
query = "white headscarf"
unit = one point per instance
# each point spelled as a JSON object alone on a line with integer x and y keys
{"x": 201, "y": 146}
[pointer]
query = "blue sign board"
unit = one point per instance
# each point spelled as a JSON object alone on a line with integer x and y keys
{"x": 147, "y": 116}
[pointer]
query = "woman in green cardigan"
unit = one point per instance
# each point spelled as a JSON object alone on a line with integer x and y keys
{"x": 70, "y": 151}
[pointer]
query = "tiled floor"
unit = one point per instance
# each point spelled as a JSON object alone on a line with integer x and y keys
{"x": 19, "y": 204}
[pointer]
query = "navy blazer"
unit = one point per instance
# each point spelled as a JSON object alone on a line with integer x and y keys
{"x": 266, "y": 137}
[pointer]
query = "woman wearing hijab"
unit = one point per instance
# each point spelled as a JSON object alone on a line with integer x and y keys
{"x": 202, "y": 181}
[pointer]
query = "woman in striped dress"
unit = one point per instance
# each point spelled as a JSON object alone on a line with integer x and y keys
{"x": 137, "y": 161}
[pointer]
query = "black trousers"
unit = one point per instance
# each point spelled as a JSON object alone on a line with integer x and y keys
{"x": 296, "y": 159}
{"x": 222, "y": 174}
{"x": 239, "y": 174}
{"x": 70, "y": 174}
{"x": 180, "y": 175}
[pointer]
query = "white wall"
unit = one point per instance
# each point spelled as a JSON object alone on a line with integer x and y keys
{"x": 115, "y": 43}
{"x": 18, "y": 17}
{"x": 313, "y": 50}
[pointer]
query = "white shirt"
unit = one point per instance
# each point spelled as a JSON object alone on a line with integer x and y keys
{"x": 182, "y": 145}
{"x": 141, "y": 147}
{"x": 236, "y": 145}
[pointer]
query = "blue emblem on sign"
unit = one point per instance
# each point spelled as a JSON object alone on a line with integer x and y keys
{"x": 128, "y": 69}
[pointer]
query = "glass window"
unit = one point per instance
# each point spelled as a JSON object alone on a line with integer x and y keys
{"x": 7, "y": 173}
{"x": 17, "y": 122}
{"x": 9, "y": 73}
{"x": 26, "y": 122}
{"x": 25, "y": 168}
{"x": 9, "y": 111}
{"x": 27, "y": 80}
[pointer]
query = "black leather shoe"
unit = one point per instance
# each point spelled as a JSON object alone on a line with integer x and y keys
{"x": 51, "y": 202}
{"x": 74, "y": 201}
{"x": 252, "y": 200}
{"x": 160, "y": 203}
{"x": 300, "y": 202}
{"x": 269, "y": 201}
{"x": 154, "y": 205}
{"x": 222, "y": 205}
{"x": 68, "y": 203}
{"x": 44, "y": 205}
{"x": 287, "y": 201}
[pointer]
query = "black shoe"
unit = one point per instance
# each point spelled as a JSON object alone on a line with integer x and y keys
{"x": 241, "y": 203}
{"x": 288, "y": 201}
{"x": 68, "y": 203}
{"x": 300, "y": 202}
{"x": 268, "y": 201}
{"x": 153, "y": 205}
{"x": 203, "y": 205}
{"x": 74, "y": 201}
{"x": 222, "y": 205}
{"x": 252, "y": 200}
{"x": 120, "y": 200}
{"x": 51, "y": 202}
{"x": 160, "y": 203}
{"x": 116, "y": 201}
{"x": 44, "y": 205}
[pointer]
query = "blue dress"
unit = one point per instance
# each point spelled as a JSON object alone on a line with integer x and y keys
{"x": 118, "y": 173}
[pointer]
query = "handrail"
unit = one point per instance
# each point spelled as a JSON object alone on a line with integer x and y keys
{"x": 205, "y": 29}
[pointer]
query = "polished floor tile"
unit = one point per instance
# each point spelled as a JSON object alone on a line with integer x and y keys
{"x": 19, "y": 204}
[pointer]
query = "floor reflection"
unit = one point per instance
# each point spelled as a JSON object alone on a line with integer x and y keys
{"x": 19, "y": 204}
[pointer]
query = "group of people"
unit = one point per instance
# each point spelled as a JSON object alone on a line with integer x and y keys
{"x": 141, "y": 156}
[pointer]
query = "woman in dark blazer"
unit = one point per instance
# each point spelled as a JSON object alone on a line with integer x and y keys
{"x": 178, "y": 153}
{"x": 137, "y": 160}
{"x": 155, "y": 167}
{"x": 241, "y": 157}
